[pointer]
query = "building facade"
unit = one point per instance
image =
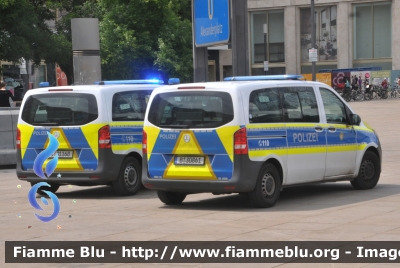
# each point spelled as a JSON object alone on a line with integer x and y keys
{"x": 349, "y": 34}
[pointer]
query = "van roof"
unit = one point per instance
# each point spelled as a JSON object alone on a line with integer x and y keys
{"x": 237, "y": 85}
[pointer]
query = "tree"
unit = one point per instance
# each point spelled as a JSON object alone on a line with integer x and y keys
{"x": 144, "y": 38}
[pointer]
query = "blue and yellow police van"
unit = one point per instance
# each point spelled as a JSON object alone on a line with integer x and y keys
{"x": 98, "y": 129}
{"x": 254, "y": 136}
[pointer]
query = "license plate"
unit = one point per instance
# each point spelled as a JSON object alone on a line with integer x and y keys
{"x": 189, "y": 160}
{"x": 63, "y": 154}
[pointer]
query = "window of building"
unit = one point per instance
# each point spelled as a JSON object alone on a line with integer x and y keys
{"x": 270, "y": 46}
{"x": 326, "y": 32}
{"x": 372, "y": 31}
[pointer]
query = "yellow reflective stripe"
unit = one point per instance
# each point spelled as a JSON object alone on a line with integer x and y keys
{"x": 263, "y": 153}
{"x": 26, "y": 134}
{"x": 91, "y": 133}
{"x": 266, "y": 125}
{"x": 342, "y": 148}
{"x": 152, "y": 135}
{"x": 126, "y": 147}
{"x": 226, "y": 134}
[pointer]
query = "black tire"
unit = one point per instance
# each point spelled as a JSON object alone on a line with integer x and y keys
{"x": 384, "y": 94}
{"x": 268, "y": 187}
{"x": 369, "y": 173}
{"x": 359, "y": 97}
{"x": 347, "y": 97}
{"x": 129, "y": 180}
{"x": 53, "y": 188}
{"x": 367, "y": 96}
{"x": 171, "y": 198}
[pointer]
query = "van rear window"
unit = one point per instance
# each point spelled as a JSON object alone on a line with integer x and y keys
{"x": 191, "y": 109}
{"x": 60, "y": 109}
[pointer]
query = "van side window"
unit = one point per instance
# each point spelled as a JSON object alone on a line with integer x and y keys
{"x": 300, "y": 105}
{"x": 265, "y": 106}
{"x": 334, "y": 108}
{"x": 130, "y": 105}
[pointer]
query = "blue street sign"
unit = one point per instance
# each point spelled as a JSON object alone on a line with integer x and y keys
{"x": 211, "y": 22}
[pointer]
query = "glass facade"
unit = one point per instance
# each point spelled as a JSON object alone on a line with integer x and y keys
{"x": 271, "y": 46}
{"x": 372, "y": 31}
{"x": 326, "y": 33}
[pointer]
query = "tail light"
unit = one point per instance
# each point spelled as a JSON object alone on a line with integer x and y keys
{"x": 144, "y": 142}
{"x": 18, "y": 139}
{"x": 104, "y": 137}
{"x": 240, "y": 141}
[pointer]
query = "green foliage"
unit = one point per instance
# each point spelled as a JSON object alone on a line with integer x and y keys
{"x": 145, "y": 36}
{"x": 136, "y": 37}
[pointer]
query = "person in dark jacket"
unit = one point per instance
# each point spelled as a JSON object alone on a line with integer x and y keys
{"x": 5, "y": 95}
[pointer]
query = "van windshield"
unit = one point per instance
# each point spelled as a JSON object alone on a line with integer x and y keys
{"x": 60, "y": 109}
{"x": 191, "y": 109}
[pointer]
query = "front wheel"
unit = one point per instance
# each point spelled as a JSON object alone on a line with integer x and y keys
{"x": 369, "y": 173}
{"x": 129, "y": 180}
{"x": 53, "y": 188}
{"x": 367, "y": 96}
{"x": 384, "y": 94}
{"x": 268, "y": 187}
{"x": 171, "y": 198}
{"x": 359, "y": 97}
{"x": 347, "y": 97}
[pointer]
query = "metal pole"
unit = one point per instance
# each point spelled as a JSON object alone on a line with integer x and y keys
{"x": 313, "y": 38}
{"x": 265, "y": 30}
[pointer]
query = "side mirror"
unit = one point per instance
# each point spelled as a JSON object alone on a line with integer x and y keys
{"x": 355, "y": 119}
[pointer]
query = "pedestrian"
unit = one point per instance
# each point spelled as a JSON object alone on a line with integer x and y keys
{"x": 5, "y": 95}
{"x": 359, "y": 82}
{"x": 384, "y": 83}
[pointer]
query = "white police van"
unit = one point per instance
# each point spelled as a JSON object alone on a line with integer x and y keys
{"x": 254, "y": 136}
{"x": 99, "y": 130}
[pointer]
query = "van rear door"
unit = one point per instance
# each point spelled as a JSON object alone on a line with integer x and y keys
{"x": 189, "y": 138}
{"x": 66, "y": 115}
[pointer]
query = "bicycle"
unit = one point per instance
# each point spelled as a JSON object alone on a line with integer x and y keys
{"x": 380, "y": 92}
{"x": 355, "y": 94}
{"x": 394, "y": 91}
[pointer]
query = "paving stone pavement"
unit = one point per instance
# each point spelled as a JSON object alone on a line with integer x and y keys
{"x": 331, "y": 211}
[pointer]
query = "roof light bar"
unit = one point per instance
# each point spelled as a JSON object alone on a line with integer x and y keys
{"x": 130, "y": 82}
{"x": 265, "y": 77}
{"x": 192, "y": 87}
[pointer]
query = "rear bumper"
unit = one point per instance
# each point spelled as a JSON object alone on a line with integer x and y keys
{"x": 108, "y": 168}
{"x": 243, "y": 180}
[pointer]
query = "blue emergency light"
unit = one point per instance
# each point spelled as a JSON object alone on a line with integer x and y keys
{"x": 130, "y": 82}
{"x": 265, "y": 77}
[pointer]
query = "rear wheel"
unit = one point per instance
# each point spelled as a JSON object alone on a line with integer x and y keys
{"x": 384, "y": 94}
{"x": 369, "y": 173}
{"x": 171, "y": 198}
{"x": 359, "y": 97}
{"x": 268, "y": 187}
{"x": 53, "y": 188}
{"x": 347, "y": 97}
{"x": 367, "y": 96}
{"x": 129, "y": 180}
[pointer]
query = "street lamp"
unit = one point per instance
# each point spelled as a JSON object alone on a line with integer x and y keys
{"x": 265, "y": 30}
{"x": 313, "y": 38}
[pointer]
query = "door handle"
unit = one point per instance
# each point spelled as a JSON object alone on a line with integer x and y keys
{"x": 318, "y": 129}
{"x": 331, "y": 129}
